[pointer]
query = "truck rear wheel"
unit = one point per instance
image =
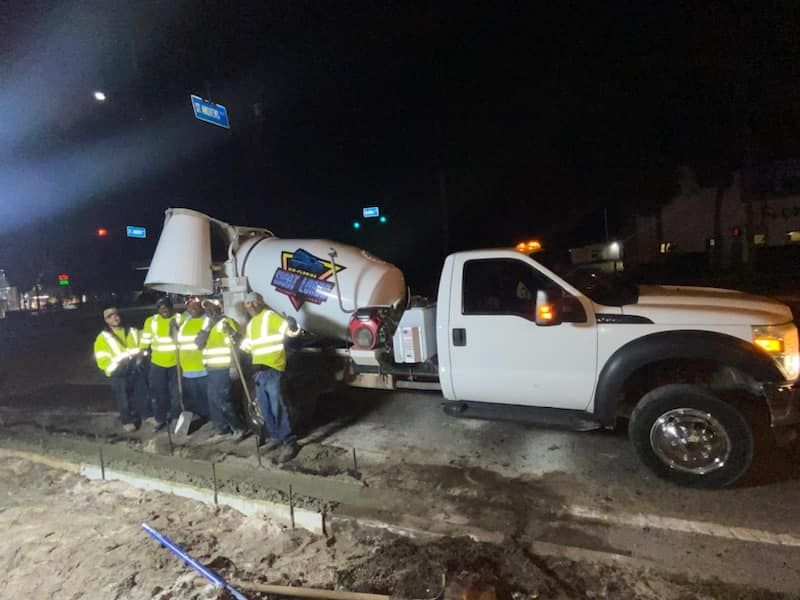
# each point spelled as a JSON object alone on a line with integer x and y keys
{"x": 686, "y": 435}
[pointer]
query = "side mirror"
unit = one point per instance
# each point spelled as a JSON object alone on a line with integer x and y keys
{"x": 555, "y": 307}
{"x": 547, "y": 309}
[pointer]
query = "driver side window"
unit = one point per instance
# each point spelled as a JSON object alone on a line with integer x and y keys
{"x": 501, "y": 286}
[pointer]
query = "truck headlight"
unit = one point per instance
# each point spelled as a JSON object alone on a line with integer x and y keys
{"x": 781, "y": 343}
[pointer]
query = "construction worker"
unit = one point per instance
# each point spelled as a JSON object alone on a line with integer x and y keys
{"x": 190, "y": 357}
{"x": 264, "y": 341}
{"x": 217, "y": 343}
{"x": 116, "y": 355}
{"x": 159, "y": 334}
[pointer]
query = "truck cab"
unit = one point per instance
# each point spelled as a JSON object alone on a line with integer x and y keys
{"x": 688, "y": 367}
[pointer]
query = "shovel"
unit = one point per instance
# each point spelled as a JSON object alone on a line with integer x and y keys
{"x": 240, "y": 371}
{"x": 186, "y": 417}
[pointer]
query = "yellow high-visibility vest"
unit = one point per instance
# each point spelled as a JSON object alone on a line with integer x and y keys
{"x": 156, "y": 335}
{"x": 110, "y": 351}
{"x": 191, "y": 356}
{"x": 217, "y": 353}
{"x": 264, "y": 339}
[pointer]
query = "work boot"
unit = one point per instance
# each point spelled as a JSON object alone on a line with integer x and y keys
{"x": 269, "y": 445}
{"x": 129, "y": 428}
{"x": 286, "y": 453}
{"x": 237, "y": 435}
{"x": 219, "y": 436}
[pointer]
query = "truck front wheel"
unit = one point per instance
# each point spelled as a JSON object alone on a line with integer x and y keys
{"x": 688, "y": 436}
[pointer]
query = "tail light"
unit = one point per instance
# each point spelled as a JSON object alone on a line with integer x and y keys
{"x": 365, "y": 326}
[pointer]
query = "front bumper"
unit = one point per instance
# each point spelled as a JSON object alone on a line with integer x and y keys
{"x": 783, "y": 400}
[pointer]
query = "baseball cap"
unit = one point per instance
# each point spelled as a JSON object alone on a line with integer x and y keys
{"x": 110, "y": 311}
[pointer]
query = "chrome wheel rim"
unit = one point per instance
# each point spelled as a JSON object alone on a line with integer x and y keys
{"x": 690, "y": 440}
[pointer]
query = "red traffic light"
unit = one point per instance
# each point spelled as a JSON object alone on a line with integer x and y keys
{"x": 63, "y": 277}
{"x": 102, "y": 232}
{"x": 736, "y": 231}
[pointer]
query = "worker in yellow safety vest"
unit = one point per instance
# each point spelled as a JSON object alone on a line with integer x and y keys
{"x": 217, "y": 343}
{"x": 264, "y": 341}
{"x": 159, "y": 335}
{"x": 117, "y": 354}
{"x": 190, "y": 357}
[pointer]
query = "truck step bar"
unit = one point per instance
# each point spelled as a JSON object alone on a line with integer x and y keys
{"x": 577, "y": 420}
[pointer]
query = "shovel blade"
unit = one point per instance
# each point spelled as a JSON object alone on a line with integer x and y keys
{"x": 184, "y": 423}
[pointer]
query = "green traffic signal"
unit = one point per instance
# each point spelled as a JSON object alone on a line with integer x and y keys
{"x": 356, "y": 224}
{"x": 383, "y": 219}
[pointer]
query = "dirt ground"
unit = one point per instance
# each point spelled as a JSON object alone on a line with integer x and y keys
{"x": 67, "y": 537}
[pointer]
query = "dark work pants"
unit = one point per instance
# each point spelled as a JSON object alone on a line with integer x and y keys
{"x": 123, "y": 387}
{"x": 164, "y": 389}
{"x": 223, "y": 415}
{"x": 195, "y": 395}
{"x": 273, "y": 406}
{"x": 141, "y": 390}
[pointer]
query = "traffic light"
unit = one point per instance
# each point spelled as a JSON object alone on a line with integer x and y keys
{"x": 63, "y": 279}
{"x": 356, "y": 224}
{"x": 383, "y": 219}
{"x": 102, "y": 232}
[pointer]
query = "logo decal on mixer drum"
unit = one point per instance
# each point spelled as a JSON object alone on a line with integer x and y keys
{"x": 304, "y": 277}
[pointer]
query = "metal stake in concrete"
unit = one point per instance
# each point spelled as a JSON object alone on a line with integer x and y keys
{"x": 214, "y": 477}
{"x": 355, "y": 465}
{"x": 169, "y": 438}
{"x": 102, "y": 465}
{"x": 258, "y": 452}
{"x": 291, "y": 505}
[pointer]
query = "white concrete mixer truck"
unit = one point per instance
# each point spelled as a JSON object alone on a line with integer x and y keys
{"x": 694, "y": 370}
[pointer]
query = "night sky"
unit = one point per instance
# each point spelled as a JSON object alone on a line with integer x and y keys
{"x": 535, "y": 118}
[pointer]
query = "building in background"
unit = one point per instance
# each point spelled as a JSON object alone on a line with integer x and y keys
{"x": 724, "y": 226}
{"x": 9, "y": 298}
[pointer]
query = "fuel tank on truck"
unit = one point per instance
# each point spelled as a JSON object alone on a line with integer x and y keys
{"x": 297, "y": 277}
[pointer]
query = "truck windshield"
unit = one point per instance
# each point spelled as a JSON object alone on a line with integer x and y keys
{"x": 610, "y": 289}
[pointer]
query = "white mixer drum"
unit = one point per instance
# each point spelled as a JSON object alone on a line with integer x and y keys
{"x": 296, "y": 278}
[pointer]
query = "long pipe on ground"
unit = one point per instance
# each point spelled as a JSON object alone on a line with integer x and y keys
{"x": 192, "y": 561}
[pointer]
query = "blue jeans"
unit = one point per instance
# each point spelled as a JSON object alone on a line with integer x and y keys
{"x": 273, "y": 407}
{"x": 164, "y": 388}
{"x": 223, "y": 415}
{"x": 195, "y": 395}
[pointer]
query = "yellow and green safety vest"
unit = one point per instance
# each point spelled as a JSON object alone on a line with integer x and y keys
{"x": 156, "y": 335}
{"x": 191, "y": 357}
{"x": 217, "y": 353}
{"x": 110, "y": 351}
{"x": 264, "y": 339}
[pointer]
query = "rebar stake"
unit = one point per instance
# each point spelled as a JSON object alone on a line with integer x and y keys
{"x": 291, "y": 505}
{"x": 214, "y": 476}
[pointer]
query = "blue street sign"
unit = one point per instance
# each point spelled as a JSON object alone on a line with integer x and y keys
{"x": 371, "y": 212}
{"x": 137, "y": 232}
{"x": 216, "y": 114}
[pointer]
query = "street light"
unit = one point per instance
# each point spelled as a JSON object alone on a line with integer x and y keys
{"x": 99, "y": 96}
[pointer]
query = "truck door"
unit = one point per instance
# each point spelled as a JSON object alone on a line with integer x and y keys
{"x": 497, "y": 351}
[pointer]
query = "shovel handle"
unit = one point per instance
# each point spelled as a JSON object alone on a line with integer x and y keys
{"x": 302, "y": 592}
